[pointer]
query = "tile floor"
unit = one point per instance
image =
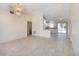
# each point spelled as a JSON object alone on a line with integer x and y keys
{"x": 37, "y": 46}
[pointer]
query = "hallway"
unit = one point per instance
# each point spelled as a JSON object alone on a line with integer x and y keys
{"x": 37, "y": 46}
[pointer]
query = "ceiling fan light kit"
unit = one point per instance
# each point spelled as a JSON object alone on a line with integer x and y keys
{"x": 17, "y": 10}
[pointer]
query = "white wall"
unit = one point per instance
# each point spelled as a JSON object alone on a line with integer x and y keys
{"x": 75, "y": 27}
{"x": 37, "y": 25}
{"x": 11, "y": 26}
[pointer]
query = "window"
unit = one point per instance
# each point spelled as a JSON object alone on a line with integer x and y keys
{"x": 61, "y": 27}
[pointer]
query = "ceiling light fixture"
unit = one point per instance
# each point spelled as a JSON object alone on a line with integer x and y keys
{"x": 17, "y": 9}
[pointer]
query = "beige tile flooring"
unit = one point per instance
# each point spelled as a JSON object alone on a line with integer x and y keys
{"x": 37, "y": 46}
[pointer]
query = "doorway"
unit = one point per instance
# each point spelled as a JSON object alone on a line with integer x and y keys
{"x": 63, "y": 29}
{"x": 29, "y": 28}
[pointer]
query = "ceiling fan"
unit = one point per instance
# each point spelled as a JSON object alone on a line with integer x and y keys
{"x": 17, "y": 9}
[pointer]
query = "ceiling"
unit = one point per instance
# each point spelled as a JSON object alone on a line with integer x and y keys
{"x": 50, "y": 10}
